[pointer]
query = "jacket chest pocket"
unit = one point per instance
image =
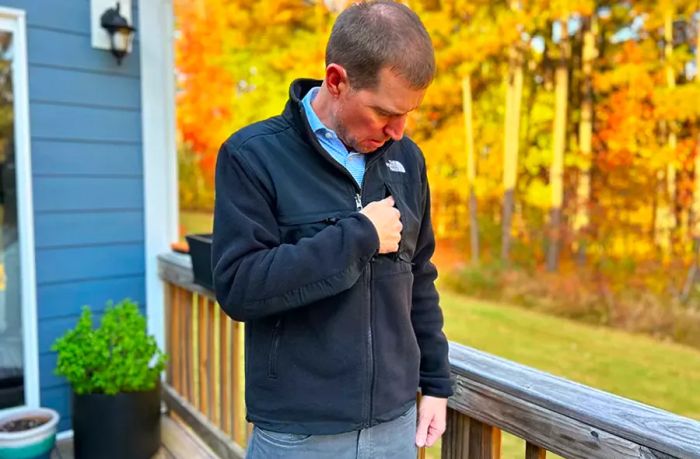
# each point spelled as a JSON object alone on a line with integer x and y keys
{"x": 407, "y": 200}
{"x": 293, "y": 229}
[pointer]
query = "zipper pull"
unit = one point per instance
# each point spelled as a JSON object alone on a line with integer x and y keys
{"x": 358, "y": 201}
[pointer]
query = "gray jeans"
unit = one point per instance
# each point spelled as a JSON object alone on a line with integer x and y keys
{"x": 395, "y": 439}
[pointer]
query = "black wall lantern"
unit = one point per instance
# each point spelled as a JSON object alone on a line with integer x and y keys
{"x": 119, "y": 30}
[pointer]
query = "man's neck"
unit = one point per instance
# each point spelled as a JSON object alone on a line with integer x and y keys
{"x": 321, "y": 105}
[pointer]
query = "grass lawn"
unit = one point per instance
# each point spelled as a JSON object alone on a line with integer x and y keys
{"x": 664, "y": 375}
{"x": 661, "y": 374}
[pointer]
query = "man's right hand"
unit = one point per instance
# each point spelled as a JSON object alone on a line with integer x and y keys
{"x": 387, "y": 221}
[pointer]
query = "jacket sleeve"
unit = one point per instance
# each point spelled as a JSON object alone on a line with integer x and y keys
{"x": 254, "y": 274}
{"x": 426, "y": 314}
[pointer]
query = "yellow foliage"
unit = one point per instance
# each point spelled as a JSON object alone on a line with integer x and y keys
{"x": 236, "y": 58}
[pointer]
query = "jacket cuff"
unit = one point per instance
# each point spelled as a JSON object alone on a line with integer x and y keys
{"x": 373, "y": 236}
{"x": 437, "y": 387}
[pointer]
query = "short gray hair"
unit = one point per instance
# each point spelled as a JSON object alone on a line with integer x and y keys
{"x": 369, "y": 36}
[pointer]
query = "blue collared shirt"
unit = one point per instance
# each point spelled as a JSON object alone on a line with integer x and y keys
{"x": 353, "y": 161}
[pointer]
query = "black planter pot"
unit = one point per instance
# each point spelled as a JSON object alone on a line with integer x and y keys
{"x": 125, "y": 425}
{"x": 200, "y": 252}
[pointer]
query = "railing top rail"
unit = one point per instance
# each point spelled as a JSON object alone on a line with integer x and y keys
{"x": 177, "y": 269}
{"x": 639, "y": 423}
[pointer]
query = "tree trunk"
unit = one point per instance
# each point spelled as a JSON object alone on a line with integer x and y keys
{"x": 471, "y": 168}
{"x": 583, "y": 188}
{"x": 665, "y": 222}
{"x": 512, "y": 128}
{"x": 556, "y": 173}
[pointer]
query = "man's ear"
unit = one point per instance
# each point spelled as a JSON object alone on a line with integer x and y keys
{"x": 336, "y": 80}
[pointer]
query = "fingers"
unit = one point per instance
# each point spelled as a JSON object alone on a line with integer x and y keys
{"x": 387, "y": 221}
{"x": 430, "y": 428}
{"x": 433, "y": 434}
{"x": 428, "y": 433}
{"x": 389, "y": 201}
{"x": 422, "y": 431}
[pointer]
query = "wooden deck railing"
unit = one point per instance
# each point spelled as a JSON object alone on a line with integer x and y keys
{"x": 553, "y": 414}
{"x": 205, "y": 388}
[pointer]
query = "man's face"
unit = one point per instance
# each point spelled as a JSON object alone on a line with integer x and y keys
{"x": 366, "y": 118}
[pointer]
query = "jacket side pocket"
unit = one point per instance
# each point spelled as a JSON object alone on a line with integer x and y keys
{"x": 274, "y": 349}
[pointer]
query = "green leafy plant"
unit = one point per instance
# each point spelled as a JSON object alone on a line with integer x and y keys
{"x": 117, "y": 356}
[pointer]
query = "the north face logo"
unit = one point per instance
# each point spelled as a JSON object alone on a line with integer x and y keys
{"x": 395, "y": 166}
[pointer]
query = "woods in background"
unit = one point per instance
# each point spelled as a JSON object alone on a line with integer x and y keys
{"x": 562, "y": 140}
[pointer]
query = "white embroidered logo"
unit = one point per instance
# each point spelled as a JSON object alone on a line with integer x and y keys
{"x": 395, "y": 166}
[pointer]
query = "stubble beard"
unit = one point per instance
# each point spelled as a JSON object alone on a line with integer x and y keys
{"x": 350, "y": 142}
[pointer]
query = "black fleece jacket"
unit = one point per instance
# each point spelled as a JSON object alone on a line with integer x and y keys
{"x": 337, "y": 337}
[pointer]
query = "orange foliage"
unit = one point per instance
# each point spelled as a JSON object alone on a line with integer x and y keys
{"x": 204, "y": 88}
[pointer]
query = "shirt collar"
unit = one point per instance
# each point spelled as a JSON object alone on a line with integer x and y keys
{"x": 314, "y": 121}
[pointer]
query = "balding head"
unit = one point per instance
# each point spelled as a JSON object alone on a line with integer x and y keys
{"x": 370, "y": 36}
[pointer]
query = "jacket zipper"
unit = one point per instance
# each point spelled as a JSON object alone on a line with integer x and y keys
{"x": 370, "y": 341}
{"x": 358, "y": 207}
{"x": 370, "y": 344}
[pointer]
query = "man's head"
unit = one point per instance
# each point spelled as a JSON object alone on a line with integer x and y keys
{"x": 379, "y": 62}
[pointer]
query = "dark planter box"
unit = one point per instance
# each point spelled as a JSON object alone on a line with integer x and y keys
{"x": 200, "y": 252}
{"x": 125, "y": 425}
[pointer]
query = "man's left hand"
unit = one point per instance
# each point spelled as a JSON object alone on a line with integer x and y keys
{"x": 432, "y": 420}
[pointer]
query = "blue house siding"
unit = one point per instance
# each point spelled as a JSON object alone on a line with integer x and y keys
{"x": 82, "y": 158}
{"x": 69, "y": 297}
{"x": 93, "y": 228}
{"x": 87, "y": 173}
{"x": 84, "y": 89}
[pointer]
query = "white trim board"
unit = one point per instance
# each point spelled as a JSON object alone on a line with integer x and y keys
{"x": 13, "y": 20}
{"x": 159, "y": 154}
{"x": 66, "y": 434}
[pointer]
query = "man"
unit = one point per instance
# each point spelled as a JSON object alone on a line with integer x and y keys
{"x": 322, "y": 245}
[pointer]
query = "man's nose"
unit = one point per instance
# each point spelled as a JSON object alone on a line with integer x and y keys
{"x": 395, "y": 127}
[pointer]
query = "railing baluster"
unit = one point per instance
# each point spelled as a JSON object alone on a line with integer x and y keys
{"x": 211, "y": 382}
{"x": 533, "y": 451}
{"x": 496, "y": 442}
{"x": 421, "y": 451}
{"x": 177, "y": 354}
{"x": 195, "y": 350}
{"x": 455, "y": 441}
{"x": 172, "y": 321}
{"x": 216, "y": 363}
{"x": 484, "y": 443}
{"x": 225, "y": 373}
{"x": 231, "y": 376}
{"x": 237, "y": 363}
{"x": 203, "y": 358}
{"x": 186, "y": 307}
{"x": 234, "y": 356}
